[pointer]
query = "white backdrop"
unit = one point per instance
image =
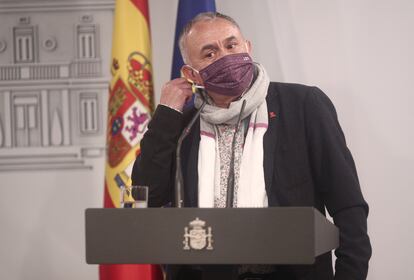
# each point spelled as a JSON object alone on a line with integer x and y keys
{"x": 358, "y": 52}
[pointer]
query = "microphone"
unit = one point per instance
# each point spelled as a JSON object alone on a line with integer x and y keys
{"x": 179, "y": 182}
{"x": 230, "y": 178}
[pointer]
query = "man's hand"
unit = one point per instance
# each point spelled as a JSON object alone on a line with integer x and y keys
{"x": 175, "y": 93}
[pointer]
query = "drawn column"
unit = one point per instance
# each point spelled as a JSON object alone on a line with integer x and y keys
{"x": 7, "y": 120}
{"x": 65, "y": 117}
{"x": 45, "y": 118}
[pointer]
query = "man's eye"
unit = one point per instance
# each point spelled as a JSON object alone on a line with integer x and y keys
{"x": 210, "y": 55}
{"x": 232, "y": 46}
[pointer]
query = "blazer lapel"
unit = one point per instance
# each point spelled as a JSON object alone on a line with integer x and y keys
{"x": 270, "y": 140}
{"x": 189, "y": 157}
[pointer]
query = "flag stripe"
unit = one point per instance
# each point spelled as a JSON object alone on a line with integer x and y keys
{"x": 119, "y": 272}
{"x": 108, "y": 203}
{"x": 143, "y": 7}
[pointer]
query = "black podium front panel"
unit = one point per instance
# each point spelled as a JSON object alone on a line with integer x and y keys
{"x": 278, "y": 235}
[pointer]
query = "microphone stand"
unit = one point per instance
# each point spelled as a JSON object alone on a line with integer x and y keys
{"x": 230, "y": 178}
{"x": 179, "y": 182}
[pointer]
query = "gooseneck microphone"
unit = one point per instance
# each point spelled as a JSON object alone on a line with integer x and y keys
{"x": 230, "y": 178}
{"x": 179, "y": 182}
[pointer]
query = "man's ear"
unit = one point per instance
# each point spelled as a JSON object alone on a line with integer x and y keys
{"x": 189, "y": 73}
{"x": 186, "y": 72}
{"x": 249, "y": 47}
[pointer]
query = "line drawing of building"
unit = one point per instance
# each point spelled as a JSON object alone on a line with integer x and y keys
{"x": 54, "y": 79}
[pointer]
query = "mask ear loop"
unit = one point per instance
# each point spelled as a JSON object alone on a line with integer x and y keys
{"x": 194, "y": 86}
{"x": 197, "y": 88}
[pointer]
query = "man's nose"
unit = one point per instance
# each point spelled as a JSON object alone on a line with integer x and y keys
{"x": 224, "y": 52}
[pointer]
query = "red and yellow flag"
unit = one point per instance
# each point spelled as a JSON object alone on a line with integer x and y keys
{"x": 129, "y": 110}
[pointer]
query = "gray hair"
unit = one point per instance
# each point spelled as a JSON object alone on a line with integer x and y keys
{"x": 206, "y": 16}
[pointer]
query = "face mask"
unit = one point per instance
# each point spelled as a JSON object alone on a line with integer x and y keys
{"x": 230, "y": 75}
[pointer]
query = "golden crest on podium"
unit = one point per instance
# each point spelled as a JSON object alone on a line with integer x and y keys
{"x": 197, "y": 237}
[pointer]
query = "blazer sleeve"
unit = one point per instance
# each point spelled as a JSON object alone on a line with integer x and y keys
{"x": 154, "y": 166}
{"x": 336, "y": 179}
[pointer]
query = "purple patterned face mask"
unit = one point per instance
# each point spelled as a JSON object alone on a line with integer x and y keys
{"x": 230, "y": 75}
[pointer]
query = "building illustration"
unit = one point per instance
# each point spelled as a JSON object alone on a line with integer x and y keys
{"x": 54, "y": 75}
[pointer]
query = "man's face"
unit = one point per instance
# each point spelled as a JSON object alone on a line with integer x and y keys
{"x": 210, "y": 40}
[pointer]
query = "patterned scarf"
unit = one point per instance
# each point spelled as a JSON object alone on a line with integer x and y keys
{"x": 214, "y": 152}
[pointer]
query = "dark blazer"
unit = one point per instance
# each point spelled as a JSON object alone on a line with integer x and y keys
{"x": 306, "y": 163}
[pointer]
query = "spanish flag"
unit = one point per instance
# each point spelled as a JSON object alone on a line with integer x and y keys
{"x": 129, "y": 111}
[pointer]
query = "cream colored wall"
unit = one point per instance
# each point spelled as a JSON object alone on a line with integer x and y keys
{"x": 358, "y": 52}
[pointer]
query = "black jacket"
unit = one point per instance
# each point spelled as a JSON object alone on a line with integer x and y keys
{"x": 306, "y": 163}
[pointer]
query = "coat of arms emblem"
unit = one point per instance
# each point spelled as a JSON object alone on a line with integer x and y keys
{"x": 197, "y": 237}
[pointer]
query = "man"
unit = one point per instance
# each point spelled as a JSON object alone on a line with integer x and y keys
{"x": 289, "y": 150}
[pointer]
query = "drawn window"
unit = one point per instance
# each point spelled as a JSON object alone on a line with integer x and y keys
{"x": 86, "y": 42}
{"x": 23, "y": 44}
{"x": 89, "y": 113}
{"x": 26, "y": 120}
{"x": 20, "y": 117}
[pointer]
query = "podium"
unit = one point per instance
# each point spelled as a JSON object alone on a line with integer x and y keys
{"x": 275, "y": 235}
